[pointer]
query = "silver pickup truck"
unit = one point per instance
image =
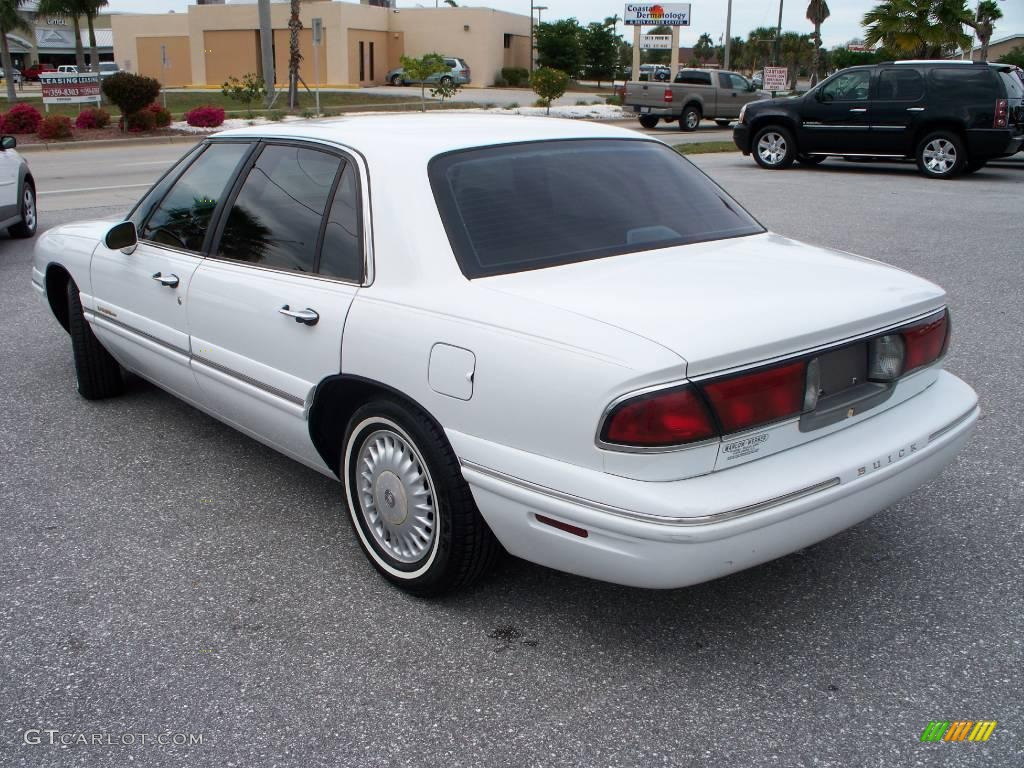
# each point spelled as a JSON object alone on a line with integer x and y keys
{"x": 694, "y": 95}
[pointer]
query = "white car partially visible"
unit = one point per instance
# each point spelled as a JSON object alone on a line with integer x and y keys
{"x": 559, "y": 338}
{"x": 18, "y": 213}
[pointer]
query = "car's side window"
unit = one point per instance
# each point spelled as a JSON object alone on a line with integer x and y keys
{"x": 739, "y": 83}
{"x": 900, "y": 85}
{"x": 276, "y": 217}
{"x": 341, "y": 254}
{"x": 156, "y": 193}
{"x": 692, "y": 77}
{"x": 183, "y": 216}
{"x": 851, "y": 86}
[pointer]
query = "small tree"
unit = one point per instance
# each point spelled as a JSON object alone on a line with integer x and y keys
{"x": 421, "y": 69}
{"x": 247, "y": 90}
{"x": 599, "y": 52}
{"x": 549, "y": 84}
{"x": 445, "y": 89}
{"x": 1015, "y": 56}
{"x": 560, "y": 45}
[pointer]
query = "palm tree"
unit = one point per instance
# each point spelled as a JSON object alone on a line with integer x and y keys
{"x": 760, "y": 44}
{"x": 10, "y": 21}
{"x": 794, "y": 50}
{"x": 613, "y": 22}
{"x": 294, "y": 55}
{"x": 817, "y": 12}
{"x": 988, "y": 12}
{"x": 921, "y": 28}
{"x": 91, "y": 9}
{"x": 704, "y": 48}
{"x": 75, "y": 9}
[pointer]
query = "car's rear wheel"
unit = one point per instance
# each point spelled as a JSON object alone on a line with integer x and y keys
{"x": 412, "y": 511}
{"x": 810, "y": 159}
{"x": 99, "y": 375}
{"x": 774, "y": 147}
{"x": 648, "y": 121}
{"x": 396, "y": 80}
{"x": 941, "y": 155}
{"x": 690, "y": 119}
{"x": 29, "y": 213}
{"x": 446, "y": 81}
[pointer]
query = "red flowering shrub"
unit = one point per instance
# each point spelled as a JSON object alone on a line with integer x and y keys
{"x": 55, "y": 127}
{"x": 138, "y": 122}
{"x": 205, "y": 117}
{"x": 161, "y": 115}
{"x": 93, "y": 117}
{"x": 22, "y": 118}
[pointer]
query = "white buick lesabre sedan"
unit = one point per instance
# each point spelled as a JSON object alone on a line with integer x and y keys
{"x": 558, "y": 338}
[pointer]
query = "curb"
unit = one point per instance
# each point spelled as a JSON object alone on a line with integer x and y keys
{"x": 110, "y": 143}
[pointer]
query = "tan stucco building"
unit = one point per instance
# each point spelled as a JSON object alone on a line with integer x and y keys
{"x": 361, "y": 43}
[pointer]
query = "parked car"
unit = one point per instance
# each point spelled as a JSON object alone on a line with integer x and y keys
{"x": 952, "y": 117}
{"x": 108, "y": 68}
{"x": 459, "y": 73}
{"x": 571, "y": 348}
{"x": 18, "y": 212}
{"x": 68, "y": 69}
{"x": 16, "y": 74}
{"x": 33, "y": 72}
{"x": 757, "y": 79}
{"x": 693, "y": 95}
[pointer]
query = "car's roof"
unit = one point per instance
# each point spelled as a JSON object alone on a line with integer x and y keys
{"x": 422, "y": 136}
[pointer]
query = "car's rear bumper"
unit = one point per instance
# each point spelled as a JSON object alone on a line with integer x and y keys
{"x": 747, "y": 515}
{"x": 644, "y": 109}
{"x": 741, "y": 137}
{"x": 994, "y": 142}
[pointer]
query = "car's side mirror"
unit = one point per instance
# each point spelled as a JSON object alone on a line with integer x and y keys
{"x": 121, "y": 236}
{"x": 8, "y": 142}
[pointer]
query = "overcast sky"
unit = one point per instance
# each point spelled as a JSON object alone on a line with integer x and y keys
{"x": 708, "y": 15}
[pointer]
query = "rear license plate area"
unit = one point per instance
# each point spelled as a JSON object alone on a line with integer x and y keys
{"x": 844, "y": 390}
{"x": 843, "y": 369}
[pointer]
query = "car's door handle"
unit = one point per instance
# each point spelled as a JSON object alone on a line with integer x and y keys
{"x": 915, "y": 109}
{"x": 306, "y": 316}
{"x": 171, "y": 281}
{"x": 858, "y": 110}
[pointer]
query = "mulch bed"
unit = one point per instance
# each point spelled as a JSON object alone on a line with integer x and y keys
{"x": 98, "y": 134}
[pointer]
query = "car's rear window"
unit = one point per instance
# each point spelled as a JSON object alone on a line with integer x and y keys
{"x": 960, "y": 83}
{"x": 527, "y": 206}
{"x": 1014, "y": 85}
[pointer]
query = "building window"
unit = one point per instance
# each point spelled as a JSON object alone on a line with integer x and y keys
{"x": 508, "y": 41}
{"x": 362, "y": 61}
{"x": 372, "y": 76}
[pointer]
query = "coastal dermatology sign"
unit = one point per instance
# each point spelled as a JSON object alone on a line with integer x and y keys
{"x": 70, "y": 87}
{"x": 657, "y": 14}
{"x": 656, "y": 42}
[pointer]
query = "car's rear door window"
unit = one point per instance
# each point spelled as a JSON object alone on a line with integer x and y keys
{"x": 964, "y": 83}
{"x": 276, "y": 217}
{"x": 693, "y": 77}
{"x": 527, "y": 206}
{"x": 183, "y": 216}
{"x": 341, "y": 255}
{"x": 900, "y": 84}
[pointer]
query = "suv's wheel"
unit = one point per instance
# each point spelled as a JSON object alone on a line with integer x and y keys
{"x": 649, "y": 121}
{"x": 99, "y": 375}
{"x": 810, "y": 159}
{"x": 774, "y": 147}
{"x": 413, "y": 512}
{"x": 396, "y": 80}
{"x": 447, "y": 81}
{"x": 941, "y": 155}
{"x": 29, "y": 213}
{"x": 690, "y": 119}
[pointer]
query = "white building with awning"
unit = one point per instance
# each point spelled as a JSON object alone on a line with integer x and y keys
{"x": 53, "y": 39}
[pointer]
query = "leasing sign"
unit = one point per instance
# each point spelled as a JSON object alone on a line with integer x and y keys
{"x": 657, "y": 14}
{"x": 70, "y": 87}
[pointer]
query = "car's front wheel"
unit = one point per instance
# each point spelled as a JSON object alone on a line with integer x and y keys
{"x": 648, "y": 121}
{"x": 941, "y": 155}
{"x": 396, "y": 80}
{"x": 447, "y": 81}
{"x": 774, "y": 147}
{"x": 412, "y": 511}
{"x": 98, "y": 374}
{"x": 29, "y": 213}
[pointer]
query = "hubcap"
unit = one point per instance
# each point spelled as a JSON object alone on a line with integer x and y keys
{"x": 691, "y": 120}
{"x": 772, "y": 148}
{"x": 939, "y": 156}
{"x": 396, "y": 496}
{"x": 30, "y": 209}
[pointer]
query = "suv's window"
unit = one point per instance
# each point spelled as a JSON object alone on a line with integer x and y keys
{"x": 533, "y": 205}
{"x": 275, "y": 219}
{"x": 450, "y": 63}
{"x": 1014, "y": 85}
{"x": 900, "y": 85}
{"x": 739, "y": 83}
{"x": 342, "y": 252}
{"x": 184, "y": 214}
{"x": 691, "y": 77}
{"x": 964, "y": 83}
{"x": 849, "y": 86}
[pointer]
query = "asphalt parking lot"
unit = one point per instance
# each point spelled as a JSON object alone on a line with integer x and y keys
{"x": 161, "y": 573}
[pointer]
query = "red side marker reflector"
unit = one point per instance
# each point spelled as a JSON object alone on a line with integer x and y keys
{"x": 574, "y": 530}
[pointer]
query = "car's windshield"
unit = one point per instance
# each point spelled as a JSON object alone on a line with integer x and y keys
{"x": 527, "y": 206}
{"x": 111, "y": 67}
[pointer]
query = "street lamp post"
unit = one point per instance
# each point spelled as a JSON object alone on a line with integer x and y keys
{"x": 537, "y": 9}
{"x": 778, "y": 37}
{"x": 728, "y": 35}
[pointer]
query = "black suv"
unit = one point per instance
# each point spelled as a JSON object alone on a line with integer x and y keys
{"x": 950, "y": 116}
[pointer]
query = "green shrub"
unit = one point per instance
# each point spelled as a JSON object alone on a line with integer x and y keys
{"x": 275, "y": 116}
{"x": 245, "y": 91}
{"x": 549, "y": 84}
{"x": 615, "y": 101}
{"x": 131, "y": 93}
{"x": 513, "y": 105}
{"x": 517, "y": 77}
{"x": 500, "y": 82}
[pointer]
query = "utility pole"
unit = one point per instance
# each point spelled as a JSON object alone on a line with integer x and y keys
{"x": 778, "y": 37}
{"x": 728, "y": 35}
{"x": 531, "y": 37}
{"x": 267, "y": 49}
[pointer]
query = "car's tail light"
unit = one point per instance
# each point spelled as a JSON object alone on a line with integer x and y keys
{"x": 752, "y": 399}
{"x": 925, "y": 341}
{"x": 668, "y": 95}
{"x": 668, "y": 417}
{"x": 885, "y": 357}
{"x": 1002, "y": 116}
